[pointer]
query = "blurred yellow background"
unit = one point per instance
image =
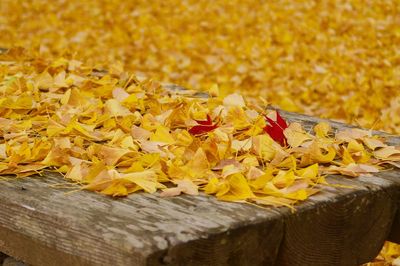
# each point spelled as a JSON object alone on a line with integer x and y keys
{"x": 335, "y": 59}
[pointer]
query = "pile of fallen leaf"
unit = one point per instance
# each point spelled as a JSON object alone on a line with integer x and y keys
{"x": 323, "y": 58}
{"x": 115, "y": 134}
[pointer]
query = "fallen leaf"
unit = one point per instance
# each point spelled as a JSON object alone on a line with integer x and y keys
{"x": 353, "y": 169}
{"x": 276, "y": 128}
{"x": 295, "y": 135}
{"x": 184, "y": 186}
{"x": 388, "y": 153}
{"x": 234, "y": 99}
{"x": 203, "y": 127}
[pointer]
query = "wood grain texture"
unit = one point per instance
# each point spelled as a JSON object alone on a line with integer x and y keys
{"x": 87, "y": 228}
{"x": 339, "y": 226}
{"x": 394, "y": 235}
{"x": 45, "y": 226}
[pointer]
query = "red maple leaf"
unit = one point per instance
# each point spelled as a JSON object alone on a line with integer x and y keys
{"x": 203, "y": 126}
{"x": 275, "y": 129}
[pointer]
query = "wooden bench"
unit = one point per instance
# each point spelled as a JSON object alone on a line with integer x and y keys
{"x": 41, "y": 225}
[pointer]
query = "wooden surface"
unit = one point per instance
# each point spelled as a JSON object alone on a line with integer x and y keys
{"x": 2, "y": 258}
{"x": 45, "y": 226}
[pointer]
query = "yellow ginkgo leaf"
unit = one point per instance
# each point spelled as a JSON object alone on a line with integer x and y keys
{"x": 388, "y": 153}
{"x": 284, "y": 179}
{"x": 238, "y": 189}
{"x": 162, "y": 135}
{"x": 295, "y": 135}
{"x": 322, "y": 129}
{"x": 261, "y": 181}
{"x": 346, "y": 157}
{"x": 321, "y": 154}
{"x": 238, "y": 118}
{"x": 146, "y": 179}
{"x": 110, "y": 155}
{"x": 310, "y": 172}
{"x": 184, "y": 186}
{"x": 235, "y": 100}
{"x": 212, "y": 186}
{"x": 115, "y": 108}
{"x": 354, "y": 146}
{"x": 264, "y": 146}
{"x": 373, "y": 143}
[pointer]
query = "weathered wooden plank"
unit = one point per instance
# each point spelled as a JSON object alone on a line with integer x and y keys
{"x": 394, "y": 235}
{"x": 393, "y": 193}
{"x": 339, "y": 226}
{"x": 86, "y": 228}
{"x": 335, "y": 227}
{"x": 235, "y": 229}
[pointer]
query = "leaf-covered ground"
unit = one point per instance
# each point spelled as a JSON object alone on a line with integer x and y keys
{"x": 336, "y": 59}
{"x": 116, "y": 134}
